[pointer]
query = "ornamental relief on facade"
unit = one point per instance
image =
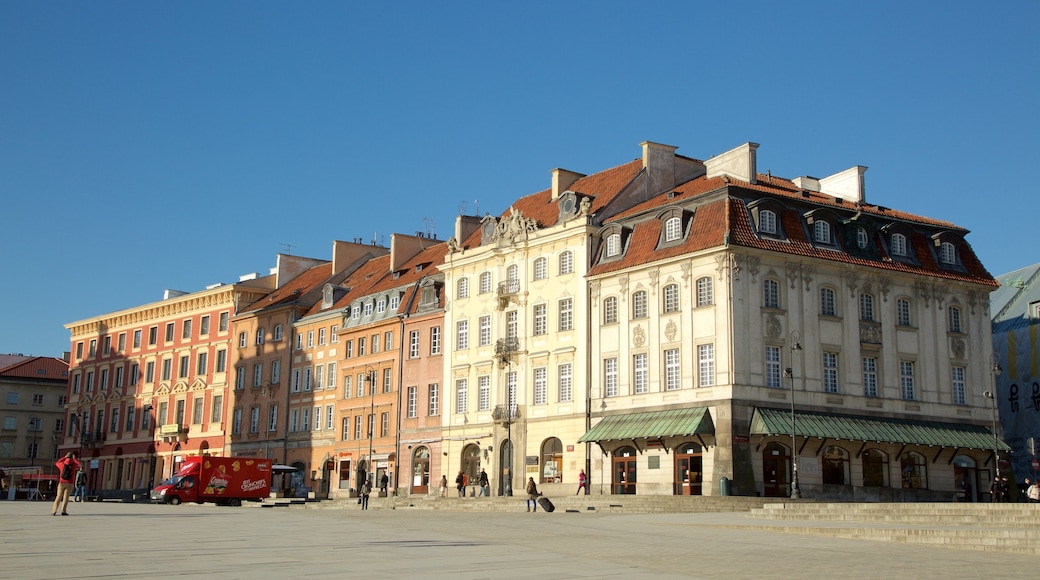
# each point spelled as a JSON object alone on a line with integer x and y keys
{"x": 638, "y": 336}
{"x": 509, "y": 230}
{"x": 773, "y": 327}
{"x": 670, "y": 330}
{"x": 958, "y": 347}
{"x": 852, "y": 281}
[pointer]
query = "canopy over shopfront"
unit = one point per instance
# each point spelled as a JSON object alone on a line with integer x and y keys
{"x": 777, "y": 422}
{"x": 651, "y": 425}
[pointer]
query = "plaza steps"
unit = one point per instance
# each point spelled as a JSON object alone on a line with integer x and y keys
{"x": 588, "y": 503}
{"x": 1008, "y": 527}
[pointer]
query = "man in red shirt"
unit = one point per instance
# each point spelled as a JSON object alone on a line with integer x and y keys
{"x": 67, "y": 468}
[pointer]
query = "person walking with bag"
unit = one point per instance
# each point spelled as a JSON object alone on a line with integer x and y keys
{"x": 67, "y": 468}
{"x": 532, "y": 495}
{"x": 366, "y": 490}
{"x": 583, "y": 483}
{"x": 81, "y": 486}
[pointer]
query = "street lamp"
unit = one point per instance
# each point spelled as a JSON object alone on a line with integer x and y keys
{"x": 796, "y": 493}
{"x": 33, "y": 426}
{"x": 370, "y": 375}
{"x": 992, "y": 396}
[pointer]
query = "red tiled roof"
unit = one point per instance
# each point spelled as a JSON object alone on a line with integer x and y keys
{"x": 293, "y": 289}
{"x": 38, "y": 367}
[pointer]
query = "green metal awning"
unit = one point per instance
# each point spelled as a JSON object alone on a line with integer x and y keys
{"x": 651, "y": 425}
{"x": 879, "y": 429}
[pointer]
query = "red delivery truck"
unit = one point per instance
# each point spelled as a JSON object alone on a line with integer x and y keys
{"x": 221, "y": 480}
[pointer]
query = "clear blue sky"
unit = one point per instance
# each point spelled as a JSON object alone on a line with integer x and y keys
{"x": 154, "y": 145}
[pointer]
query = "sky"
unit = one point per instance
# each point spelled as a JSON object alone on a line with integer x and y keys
{"x": 147, "y": 146}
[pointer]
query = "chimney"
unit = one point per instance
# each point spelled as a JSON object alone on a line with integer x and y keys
{"x": 738, "y": 163}
{"x": 807, "y": 183}
{"x": 659, "y": 163}
{"x": 465, "y": 225}
{"x": 561, "y": 180}
{"x": 849, "y": 184}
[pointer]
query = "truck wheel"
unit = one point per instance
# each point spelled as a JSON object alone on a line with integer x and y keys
{"x": 235, "y": 502}
{"x": 175, "y": 500}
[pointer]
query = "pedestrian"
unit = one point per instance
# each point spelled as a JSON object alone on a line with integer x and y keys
{"x": 67, "y": 468}
{"x": 444, "y": 486}
{"x": 80, "y": 494}
{"x": 383, "y": 481}
{"x": 366, "y": 490}
{"x": 485, "y": 487}
{"x": 583, "y": 483}
{"x": 460, "y": 484}
{"x": 1033, "y": 491}
{"x": 532, "y": 495}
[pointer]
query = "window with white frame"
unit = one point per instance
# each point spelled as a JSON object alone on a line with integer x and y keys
{"x": 767, "y": 222}
{"x": 276, "y": 371}
{"x": 367, "y": 309}
{"x": 613, "y": 245}
{"x": 671, "y": 298}
{"x": 334, "y": 333}
{"x": 903, "y": 312}
{"x": 381, "y": 305}
{"x": 485, "y": 282}
{"x": 361, "y": 346}
{"x": 953, "y": 313}
{"x": 321, "y": 336}
{"x": 345, "y": 429}
{"x": 294, "y": 420}
{"x": 640, "y": 374}
{"x": 706, "y": 364}
{"x": 960, "y": 396}
{"x": 319, "y": 377}
{"x": 462, "y": 335}
{"x": 830, "y": 372}
{"x": 639, "y": 304}
{"x": 567, "y": 263}
{"x": 310, "y": 339}
{"x": 541, "y": 386}
{"x": 317, "y": 418}
{"x": 771, "y": 293}
{"x": 463, "y": 288}
{"x": 361, "y": 385}
{"x": 254, "y": 420}
{"x": 461, "y": 395}
{"x": 672, "y": 229}
{"x": 388, "y": 341}
{"x": 236, "y": 422}
{"x": 541, "y": 268}
{"x": 330, "y": 381}
{"x": 296, "y": 382}
{"x": 822, "y": 232}
{"x": 484, "y": 337}
{"x": 672, "y": 370}
{"x": 610, "y": 310}
{"x": 705, "y": 292}
{"x": 512, "y": 324}
{"x": 272, "y": 418}
{"x": 906, "y": 379}
{"x": 483, "y": 393}
{"x": 565, "y": 375}
{"x": 413, "y": 344}
{"x": 435, "y": 340}
{"x": 947, "y": 253}
{"x": 566, "y": 307}
{"x": 540, "y": 320}
{"x": 305, "y": 419}
{"x": 330, "y": 418}
{"x": 388, "y": 382}
{"x": 307, "y": 375}
{"x": 413, "y": 402}
{"x": 355, "y": 311}
{"x": 434, "y": 399}
{"x": 870, "y": 377}
{"x": 898, "y": 245}
{"x": 358, "y": 427}
{"x": 866, "y": 307}
{"x": 277, "y": 333}
{"x": 773, "y": 367}
{"x": 242, "y": 340}
{"x": 348, "y": 386}
{"x": 395, "y": 302}
{"x": 827, "y": 302}
{"x": 610, "y": 377}
{"x": 299, "y": 341}
{"x": 861, "y": 238}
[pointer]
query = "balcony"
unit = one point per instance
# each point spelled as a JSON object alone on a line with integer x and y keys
{"x": 505, "y": 413}
{"x": 506, "y": 347}
{"x": 92, "y": 440}
{"x": 508, "y": 290}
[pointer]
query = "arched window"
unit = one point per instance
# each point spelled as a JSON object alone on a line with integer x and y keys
{"x": 260, "y": 335}
{"x": 827, "y": 305}
{"x": 913, "y": 471}
{"x": 947, "y": 253}
{"x": 954, "y": 315}
{"x": 822, "y": 232}
{"x": 513, "y": 272}
{"x": 767, "y": 222}
{"x": 672, "y": 229}
{"x": 866, "y": 307}
{"x": 552, "y": 461}
{"x": 613, "y": 245}
{"x": 541, "y": 268}
{"x": 898, "y": 245}
{"x": 485, "y": 282}
{"x": 639, "y": 302}
{"x": 610, "y": 310}
{"x": 671, "y": 298}
{"x": 567, "y": 263}
{"x": 242, "y": 339}
{"x": 861, "y": 238}
{"x": 277, "y": 332}
{"x": 903, "y": 312}
{"x": 705, "y": 292}
{"x": 771, "y": 293}
{"x": 875, "y": 468}
{"x": 463, "y": 288}
{"x": 835, "y": 464}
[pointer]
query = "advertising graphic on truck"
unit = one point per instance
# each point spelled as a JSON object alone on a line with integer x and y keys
{"x": 221, "y": 480}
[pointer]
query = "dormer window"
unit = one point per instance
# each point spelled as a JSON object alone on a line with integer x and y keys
{"x": 822, "y": 232}
{"x": 327, "y": 296}
{"x": 947, "y": 253}
{"x": 613, "y": 245}
{"x": 861, "y": 238}
{"x": 355, "y": 312}
{"x": 381, "y": 305}
{"x": 672, "y": 229}
{"x": 368, "y": 309}
{"x": 395, "y": 302}
{"x": 767, "y": 222}
{"x": 898, "y": 245}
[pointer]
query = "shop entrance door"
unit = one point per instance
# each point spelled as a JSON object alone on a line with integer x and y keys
{"x": 776, "y": 469}
{"x": 624, "y": 478}
{"x": 688, "y": 470}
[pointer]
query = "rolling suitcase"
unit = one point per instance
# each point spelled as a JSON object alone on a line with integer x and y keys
{"x": 546, "y": 504}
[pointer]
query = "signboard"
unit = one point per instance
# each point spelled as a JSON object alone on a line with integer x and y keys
{"x": 1036, "y": 464}
{"x": 95, "y": 463}
{"x": 741, "y": 439}
{"x": 531, "y": 460}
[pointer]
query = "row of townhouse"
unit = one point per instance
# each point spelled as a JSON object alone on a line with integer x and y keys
{"x": 667, "y": 326}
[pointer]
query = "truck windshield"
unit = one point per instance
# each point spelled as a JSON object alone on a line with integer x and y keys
{"x": 173, "y": 480}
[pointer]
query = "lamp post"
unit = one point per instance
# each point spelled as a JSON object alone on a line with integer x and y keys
{"x": 33, "y": 421}
{"x": 992, "y": 396}
{"x": 796, "y": 492}
{"x": 370, "y": 375}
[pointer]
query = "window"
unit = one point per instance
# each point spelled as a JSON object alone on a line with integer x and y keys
{"x": 184, "y": 364}
{"x": 875, "y": 468}
{"x": 959, "y": 393}
{"x": 201, "y": 364}
{"x": 122, "y": 342}
{"x": 610, "y": 377}
{"x": 130, "y": 410}
{"x": 672, "y": 370}
{"x": 412, "y": 402}
{"x": 866, "y": 307}
{"x": 767, "y": 222}
{"x": 483, "y": 393}
{"x": 773, "y": 367}
{"x": 434, "y": 399}
{"x": 240, "y": 377}
{"x": 196, "y": 412}
{"x": 169, "y": 332}
{"x": 92, "y": 351}
{"x": 830, "y": 372}
{"x": 485, "y": 330}
{"x": 272, "y": 418}
{"x": 906, "y": 379}
{"x": 613, "y": 245}
{"x": 135, "y": 371}
{"x": 37, "y": 400}
{"x": 639, "y": 301}
{"x": 204, "y": 325}
{"x": 361, "y": 346}
{"x": 898, "y": 245}
{"x": 319, "y": 377}
{"x": 705, "y": 292}
{"x": 216, "y": 414}
{"x": 321, "y": 337}
{"x": 276, "y": 371}
{"x": 566, "y": 307}
{"x": 242, "y": 340}
{"x": 381, "y": 305}
{"x": 153, "y": 335}
{"x": 610, "y": 310}
{"x": 388, "y": 340}
{"x": 347, "y": 387}
{"x": 640, "y": 375}
{"x": 221, "y": 361}
{"x": 384, "y": 424}
{"x": 307, "y": 374}
{"x": 90, "y": 384}
{"x": 236, "y": 422}
{"x": 706, "y": 364}
{"x": 413, "y": 344}
{"x": 954, "y": 316}
{"x": 566, "y": 263}
{"x": 861, "y": 238}
{"x": 186, "y": 329}
{"x": 512, "y": 325}
{"x": 104, "y": 378}
{"x": 330, "y": 382}
{"x": 540, "y": 318}
{"x": 345, "y": 429}
{"x": 296, "y": 382}
{"x": 671, "y": 298}
{"x": 357, "y": 427}
{"x": 461, "y": 395}
{"x": 834, "y": 463}
{"x": 350, "y": 349}
{"x": 947, "y": 253}
{"x": 305, "y": 419}
{"x": 388, "y": 385}
{"x": 106, "y": 348}
{"x": 368, "y": 309}
{"x": 299, "y": 341}
{"x": 258, "y": 374}
{"x": 903, "y": 312}
{"x": 913, "y": 470}
{"x": 541, "y": 268}
{"x": 223, "y": 323}
{"x": 541, "y": 386}
{"x": 827, "y": 304}
{"x": 317, "y": 418}
{"x": 149, "y": 372}
{"x": 167, "y": 369}
{"x": 485, "y": 282}
{"x": 672, "y": 229}
{"x": 463, "y": 289}
{"x": 771, "y": 293}
{"x": 565, "y": 373}
{"x": 462, "y": 335}
{"x": 310, "y": 339}
{"x": 870, "y": 377}
{"x": 355, "y": 311}
{"x": 435, "y": 340}
{"x": 822, "y": 232}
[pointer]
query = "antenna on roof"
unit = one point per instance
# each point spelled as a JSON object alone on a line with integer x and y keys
{"x": 462, "y": 208}
{"x": 288, "y": 247}
{"x": 428, "y": 226}
{"x": 476, "y": 207}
